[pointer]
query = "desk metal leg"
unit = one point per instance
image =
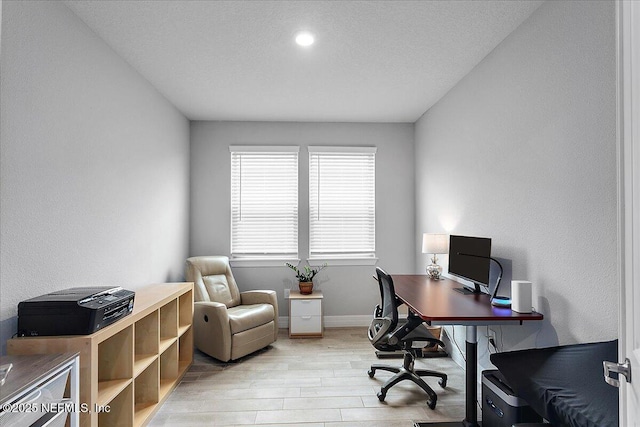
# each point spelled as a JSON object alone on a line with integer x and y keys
{"x": 471, "y": 393}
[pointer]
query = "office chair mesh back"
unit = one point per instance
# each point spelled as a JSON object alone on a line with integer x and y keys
{"x": 389, "y": 303}
{"x": 385, "y": 318}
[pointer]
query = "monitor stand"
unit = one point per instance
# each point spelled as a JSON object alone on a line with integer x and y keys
{"x": 467, "y": 291}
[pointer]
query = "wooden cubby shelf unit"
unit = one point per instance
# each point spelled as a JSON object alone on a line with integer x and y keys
{"x": 132, "y": 365}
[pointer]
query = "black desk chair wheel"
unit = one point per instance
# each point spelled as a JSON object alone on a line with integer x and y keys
{"x": 386, "y": 334}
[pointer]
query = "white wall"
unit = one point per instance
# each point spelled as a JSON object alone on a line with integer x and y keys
{"x": 94, "y": 164}
{"x": 523, "y": 150}
{"x": 348, "y": 291}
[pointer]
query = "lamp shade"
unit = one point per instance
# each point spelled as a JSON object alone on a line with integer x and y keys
{"x": 435, "y": 243}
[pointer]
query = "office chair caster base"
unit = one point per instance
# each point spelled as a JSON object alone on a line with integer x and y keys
{"x": 371, "y": 373}
{"x": 381, "y": 396}
{"x": 427, "y": 373}
{"x": 432, "y": 403}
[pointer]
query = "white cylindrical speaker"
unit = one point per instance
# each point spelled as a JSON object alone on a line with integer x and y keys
{"x": 521, "y": 296}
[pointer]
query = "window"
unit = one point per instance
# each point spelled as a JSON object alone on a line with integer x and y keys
{"x": 342, "y": 221}
{"x": 264, "y": 202}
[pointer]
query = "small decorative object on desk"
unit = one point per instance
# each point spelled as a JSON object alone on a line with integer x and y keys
{"x": 306, "y": 277}
{"x": 435, "y": 244}
{"x": 434, "y": 270}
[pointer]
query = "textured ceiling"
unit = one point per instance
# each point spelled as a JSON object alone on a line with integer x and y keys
{"x": 373, "y": 61}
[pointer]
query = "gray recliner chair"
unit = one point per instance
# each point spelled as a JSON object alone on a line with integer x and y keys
{"x": 229, "y": 324}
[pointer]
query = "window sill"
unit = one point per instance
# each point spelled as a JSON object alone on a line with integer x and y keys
{"x": 342, "y": 261}
{"x": 313, "y": 262}
{"x": 262, "y": 262}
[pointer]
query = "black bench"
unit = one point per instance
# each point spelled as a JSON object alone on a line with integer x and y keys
{"x": 565, "y": 384}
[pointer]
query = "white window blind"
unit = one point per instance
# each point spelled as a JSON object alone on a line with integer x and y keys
{"x": 264, "y": 201}
{"x": 342, "y": 219}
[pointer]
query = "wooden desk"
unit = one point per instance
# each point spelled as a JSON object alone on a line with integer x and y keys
{"x": 437, "y": 302}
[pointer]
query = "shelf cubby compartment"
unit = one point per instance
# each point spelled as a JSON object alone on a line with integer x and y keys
{"x": 169, "y": 320}
{"x": 119, "y": 412}
{"x": 147, "y": 342}
{"x": 165, "y": 343}
{"x": 185, "y": 312}
{"x": 115, "y": 365}
{"x": 146, "y": 393}
{"x": 185, "y": 351}
{"x": 168, "y": 369}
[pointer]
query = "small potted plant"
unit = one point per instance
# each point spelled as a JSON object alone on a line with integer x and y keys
{"x": 305, "y": 277}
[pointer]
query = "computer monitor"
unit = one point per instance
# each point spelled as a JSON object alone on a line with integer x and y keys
{"x": 470, "y": 259}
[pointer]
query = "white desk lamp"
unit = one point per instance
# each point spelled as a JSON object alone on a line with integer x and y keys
{"x": 435, "y": 244}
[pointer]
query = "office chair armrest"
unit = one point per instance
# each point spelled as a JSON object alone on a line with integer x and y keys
{"x": 401, "y": 332}
{"x": 377, "y": 312}
{"x": 379, "y": 327}
{"x": 412, "y": 323}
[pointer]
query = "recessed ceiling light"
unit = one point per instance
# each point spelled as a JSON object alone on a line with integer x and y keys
{"x": 304, "y": 38}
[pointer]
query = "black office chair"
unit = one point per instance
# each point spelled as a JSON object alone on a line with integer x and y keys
{"x": 387, "y": 335}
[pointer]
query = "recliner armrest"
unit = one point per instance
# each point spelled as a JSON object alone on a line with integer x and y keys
{"x": 213, "y": 309}
{"x": 259, "y": 297}
{"x": 263, "y": 297}
{"x": 211, "y": 320}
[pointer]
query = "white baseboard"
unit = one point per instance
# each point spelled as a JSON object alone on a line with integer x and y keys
{"x": 335, "y": 321}
{"x": 347, "y": 321}
{"x": 283, "y": 322}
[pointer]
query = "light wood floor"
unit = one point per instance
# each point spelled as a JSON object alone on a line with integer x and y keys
{"x": 310, "y": 383}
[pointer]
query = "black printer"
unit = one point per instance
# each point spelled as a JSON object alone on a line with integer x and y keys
{"x": 74, "y": 311}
